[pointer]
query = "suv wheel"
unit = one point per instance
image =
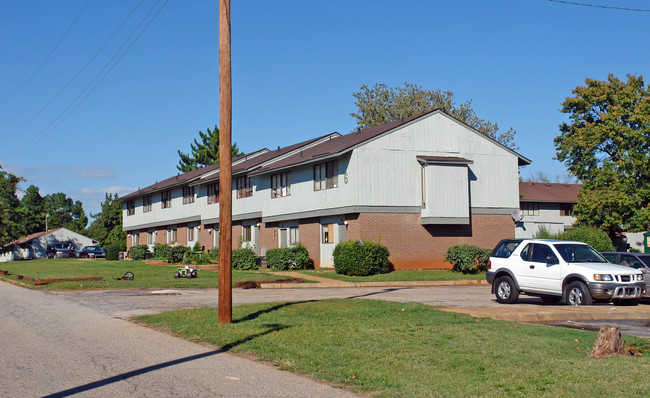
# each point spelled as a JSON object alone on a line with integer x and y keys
{"x": 577, "y": 294}
{"x": 505, "y": 290}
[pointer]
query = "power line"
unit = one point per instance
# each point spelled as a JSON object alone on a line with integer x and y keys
{"x": 72, "y": 106}
{"x": 48, "y": 56}
{"x": 34, "y": 116}
{"x": 599, "y": 6}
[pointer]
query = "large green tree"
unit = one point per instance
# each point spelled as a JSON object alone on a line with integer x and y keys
{"x": 64, "y": 212}
{"x": 606, "y": 145}
{"x": 203, "y": 153}
{"x": 381, "y": 104}
{"x": 32, "y": 211}
{"x": 10, "y": 226}
{"x": 106, "y": 227}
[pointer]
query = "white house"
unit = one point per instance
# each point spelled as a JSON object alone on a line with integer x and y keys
{"x": 417, "y": 186}
{"x": 34, "y": 246}
{"x": 546, "y": 205}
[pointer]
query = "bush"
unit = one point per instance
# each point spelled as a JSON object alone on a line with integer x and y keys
{"x": 162, "y": 252}
{"x": 289, "y": 258}
{"x": 244, "y": 259}
{"x": 177, "y": 254}
{"x": 594, "y": 237}
{"x": 359, "y": 258}
{"x": 468, "y": 259}
{"x": 138, "y": 252}
{"x": 197, "y": 247}
{"x": 113, "y": 251}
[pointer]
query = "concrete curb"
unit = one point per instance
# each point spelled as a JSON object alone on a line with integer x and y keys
{"x": 335, "y": 284}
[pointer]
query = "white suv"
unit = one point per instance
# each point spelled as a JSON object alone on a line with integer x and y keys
{"x": 556, "y": 270}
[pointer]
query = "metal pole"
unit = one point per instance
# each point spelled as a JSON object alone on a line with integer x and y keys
{"x": 225, "y": 165}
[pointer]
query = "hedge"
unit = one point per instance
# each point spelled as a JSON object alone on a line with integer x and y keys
{"x": 244, "y": 259}
{"x": 289, "y": 258}
{"x": 361, "y": 258}
{"x": 113, "y": 251}
{"x": 468, "y": 259}
{"x": 138, "y": 252}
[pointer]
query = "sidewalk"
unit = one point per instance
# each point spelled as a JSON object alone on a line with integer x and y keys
{"x": 329, "y": 283}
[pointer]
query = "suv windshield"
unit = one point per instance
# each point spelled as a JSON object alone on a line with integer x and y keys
{"x": 573, "y": 253}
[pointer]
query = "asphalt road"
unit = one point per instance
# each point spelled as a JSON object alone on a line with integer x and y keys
{"x": 55, "y": 346}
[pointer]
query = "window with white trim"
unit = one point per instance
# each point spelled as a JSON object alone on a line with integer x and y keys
{"x": 327, "y": 235}
{"x": 146, "y": 204}
{"x": 326, "y": 175}
{"x": 244, "y": 187}
{"x": 281, "y": 184}
{"x": 188, "y": 195}
{"x": 166, "y": 199}
{"x": 213, "y": 193}
{"x": 247, "y": 233}
{"x": 135, "y": 239}
{"x": 530, "y": 208}
{"x": 190, "y": 234}
{"x": 151, "y": 237}
{"x": 171, "y": 235}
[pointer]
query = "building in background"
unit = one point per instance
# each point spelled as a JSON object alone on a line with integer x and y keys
{"x": 34, "y": 246}
{"x": 417, "y": 186}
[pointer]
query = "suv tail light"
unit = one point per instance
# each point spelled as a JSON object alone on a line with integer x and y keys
{"x": 489, "y": 265}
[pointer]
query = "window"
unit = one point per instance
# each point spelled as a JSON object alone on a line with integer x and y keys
{"x": 281, "y": 184}
{"x": 146, "y": 204}
{"x": 530, "y": 208}
{"x": 246, "y": 233}
{"x": 566, "y": 209}
{"x": 151, "y": 237}
{"x": 328, "y": 233}
{"x": 215, "y": 235}
{"x": 326, "y": 175}
{"x": 166, "y": 199}
{"x": 244, "y": 187}
{"x": 188, "y": 195}
{"x": 130, "y": 207}
{"x": 190, "y": 234}
{"x": 289, "y": 237}
{"x": 213, "y": 193}
{"x": 135, "y": 239}
{"x": 171, "y": 235}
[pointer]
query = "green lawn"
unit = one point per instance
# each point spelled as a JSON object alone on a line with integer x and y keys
{"x": 389, "y": 349}
{"x": 400, "y": 276}
{"x": 146, "y": 276}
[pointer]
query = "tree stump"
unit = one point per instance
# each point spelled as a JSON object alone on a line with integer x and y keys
{"x": 608, "y": 343}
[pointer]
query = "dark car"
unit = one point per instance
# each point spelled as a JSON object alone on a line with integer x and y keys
{"x": 639, "y": 261}
{"x": 60, "y": 250}
{"x": 92, "y": 252}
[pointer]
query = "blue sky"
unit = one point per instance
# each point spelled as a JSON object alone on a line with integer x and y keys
{"x": 296, "y": 64}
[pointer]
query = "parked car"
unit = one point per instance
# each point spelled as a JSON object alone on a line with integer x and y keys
{"x": 638, "y": 261}
{"x": 60, "y": 250}
{"x": 92, "y": 252}
{"x": 556, "y": 270}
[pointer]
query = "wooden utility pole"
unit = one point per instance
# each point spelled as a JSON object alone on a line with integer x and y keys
{"x": 225, "y": 165}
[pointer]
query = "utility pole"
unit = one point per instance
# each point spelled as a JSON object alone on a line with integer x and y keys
{"x": 225, "y": 165}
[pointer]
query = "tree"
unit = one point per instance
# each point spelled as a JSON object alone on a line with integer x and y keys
{"x": 381, "y": 104}
{"x": 9, "y": 217}
{"x": 64, "y": 212}
{"x": 204, "y": 153}
{"x": 107, "y": 226}
{"x": 32, "y": 211}
{"x": 606, "y": 146}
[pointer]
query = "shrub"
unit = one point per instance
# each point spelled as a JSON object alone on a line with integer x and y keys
{"x": 594, "y": 237}
{"x": 161, "y": 252}
{"x": 468, "y": 259}
{"x": 138, "y": 252}
{"x": 244, "y": 259}
{"x": 113, "y": 251}
{"x": 359, "y": 258}
{"x": 177, "y": 254}
{"x": 197, "y": 247}
{"x": 289, "y": 258}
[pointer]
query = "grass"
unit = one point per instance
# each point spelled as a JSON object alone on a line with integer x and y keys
{"x": 400, "y": 276}
{"x": 146, "y": 276}
{"x": 388, "y": 349}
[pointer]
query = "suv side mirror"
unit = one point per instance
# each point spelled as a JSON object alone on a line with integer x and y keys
{"x": 552, "y": 260}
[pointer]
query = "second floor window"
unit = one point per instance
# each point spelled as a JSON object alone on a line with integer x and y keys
{"x": 146, "y": 204}
{"x": 281, "y": 184}
{"x": 326, "y": 175}
{"x": 530, "y": 208}
{"x": 166, "y": 199}
{"x": 244, "y": 187}
{"x": 213, "y": 193}
{"x": 130, "y": 207}
{"x": 566, "y": 209}
{"x": 188, "y": 195}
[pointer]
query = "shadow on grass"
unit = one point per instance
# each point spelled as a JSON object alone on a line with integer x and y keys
{"x": 393, "y": 289}
{"x": 257, "y": 314}
{"x": 127, "y": 375}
